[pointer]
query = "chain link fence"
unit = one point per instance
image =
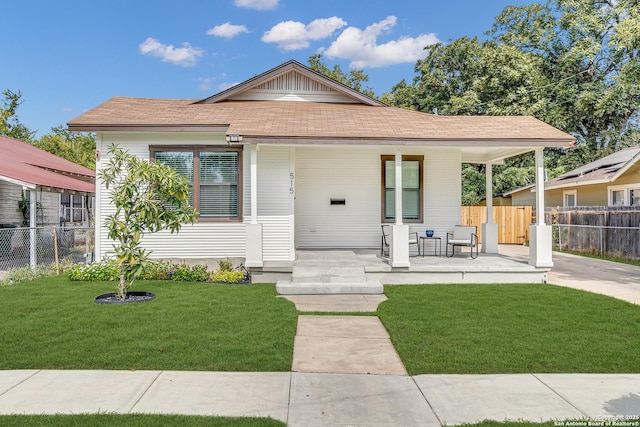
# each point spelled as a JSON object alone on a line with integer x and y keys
{"x": 25, "y": 246}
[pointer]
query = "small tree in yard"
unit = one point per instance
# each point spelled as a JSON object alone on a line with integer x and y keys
{"x": 148, "y": 197}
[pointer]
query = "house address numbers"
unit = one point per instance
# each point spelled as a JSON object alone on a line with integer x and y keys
{"x": 291, "y": 181}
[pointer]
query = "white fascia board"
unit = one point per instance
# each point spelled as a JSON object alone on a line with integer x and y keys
{"x": 26, "y": 185}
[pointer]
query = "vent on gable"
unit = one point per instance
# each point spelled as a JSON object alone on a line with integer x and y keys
{"x": 293, "y": 82}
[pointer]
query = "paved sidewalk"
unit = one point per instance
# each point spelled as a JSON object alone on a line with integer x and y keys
{"x": 316, "y": 399}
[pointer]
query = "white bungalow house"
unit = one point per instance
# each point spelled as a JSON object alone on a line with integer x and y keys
{"x": 291, "y": 160}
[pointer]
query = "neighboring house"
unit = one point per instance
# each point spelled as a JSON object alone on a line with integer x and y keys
{"x": 54, "y": 184}
{"x": 613, "y": 180}
{"x": 292, "y": 159}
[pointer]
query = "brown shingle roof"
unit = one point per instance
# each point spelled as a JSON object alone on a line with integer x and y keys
{"x": 291, "y": 119}
{"x": 606, "y": 169}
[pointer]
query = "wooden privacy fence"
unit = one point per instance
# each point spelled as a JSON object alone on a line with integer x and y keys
{"x": 603, "y": 231}
{"x": 513, "y": 221}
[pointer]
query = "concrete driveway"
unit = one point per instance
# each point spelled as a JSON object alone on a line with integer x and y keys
{"x": 614, "y": 279}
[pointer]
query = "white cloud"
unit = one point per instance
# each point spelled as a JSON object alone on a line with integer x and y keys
{"x": 294, "y": 35}
{"x": 257, "y": 4}
{"x": 362, "y": 48}
{"x": 227, "y": 30}
{"x": 185, "y": 56}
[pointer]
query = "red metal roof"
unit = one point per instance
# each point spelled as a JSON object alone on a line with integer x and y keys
{"x": 27, "y": 164}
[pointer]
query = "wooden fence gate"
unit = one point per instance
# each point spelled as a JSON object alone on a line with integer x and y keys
{"x": 513, "y": 221}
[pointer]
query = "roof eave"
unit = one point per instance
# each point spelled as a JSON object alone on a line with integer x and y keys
{"x": 578, "y": 184}
{"x": 626, "y": 167}
{"x": 145, "y": 128}
{"x": 462, "y": 142}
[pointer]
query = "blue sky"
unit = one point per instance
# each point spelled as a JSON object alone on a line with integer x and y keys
{"x": 67, "y": 56}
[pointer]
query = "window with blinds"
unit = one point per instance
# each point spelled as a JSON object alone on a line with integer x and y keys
{"x": 411, "y": 188}
{"x": 219, "y": 184}
{"x": 215, "y": 177}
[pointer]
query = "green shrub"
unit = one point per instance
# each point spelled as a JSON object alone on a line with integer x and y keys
{"x": 26, "y": 274}
{"x": 157, "y": 270}
{"x": 227, "y": 276}
{"x": 185, "y": 273}
{"x": 108, "y": 270}
{"x": 105, "y": 270}
{"x": 225, "y": 265}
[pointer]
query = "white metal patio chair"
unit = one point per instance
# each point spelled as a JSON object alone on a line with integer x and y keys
{"x": 384, "y": 244}
{"x": 463, "y": 235}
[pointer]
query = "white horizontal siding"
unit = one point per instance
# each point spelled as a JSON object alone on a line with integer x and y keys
{"x": 273, "y": 200}
{"x": 321, "y": 173}
{"x": 442, "y": 191}
{"x": 350, "y": 173}
{"x": 355, "y": 175}
{"x": 201, "y": 240}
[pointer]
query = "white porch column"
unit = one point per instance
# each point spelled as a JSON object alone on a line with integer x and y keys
{"x": 33, "y": 210}
{"x": 540, "y": 253}
{"x": 489, "y": 228}
{"x": 254, "y": 230}
{"x": 399, "y": 233}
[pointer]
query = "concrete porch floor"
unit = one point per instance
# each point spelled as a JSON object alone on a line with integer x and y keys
{"x": 487, "y": 268}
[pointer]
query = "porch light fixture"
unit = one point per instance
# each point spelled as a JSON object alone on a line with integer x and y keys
{"x": 234, "y": 138}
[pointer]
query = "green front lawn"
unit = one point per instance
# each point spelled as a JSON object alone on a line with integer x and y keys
{"x": 531, "y": 328}
{"x": 53, "y": 323}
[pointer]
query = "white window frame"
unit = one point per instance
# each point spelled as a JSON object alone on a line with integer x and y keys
{"x": 72, "y": 210}
{"x": 633, "y": 188}
{"x": 567, "y": 193}
{"x": 626, "y": 189}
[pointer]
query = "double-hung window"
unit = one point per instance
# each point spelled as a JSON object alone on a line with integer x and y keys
{"x": 634, "y": 196}
{"x": 411, "y": 188}
{"x": 215, "y": 174}
{"x": 570, "y": 198}
{"x": 624, "y": 195}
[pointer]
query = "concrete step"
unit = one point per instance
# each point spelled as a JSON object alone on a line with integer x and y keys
{"x": 328, "y": 274}
{"x": 372, "y": 287}
{"x": 329, "y": 279}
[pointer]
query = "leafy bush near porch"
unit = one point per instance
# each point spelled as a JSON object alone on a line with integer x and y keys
{"x": 227, "y": 276}
{"x": 108, "y": 270}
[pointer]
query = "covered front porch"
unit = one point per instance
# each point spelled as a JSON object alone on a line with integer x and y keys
{"x": 324, "y": 271}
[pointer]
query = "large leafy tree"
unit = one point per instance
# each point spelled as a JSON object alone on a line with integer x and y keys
{"x": 10, "y": 126}
{"x": 354, "y": 79}
{"x": 76, "y": 147}
{"x": 574, "y": 64}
